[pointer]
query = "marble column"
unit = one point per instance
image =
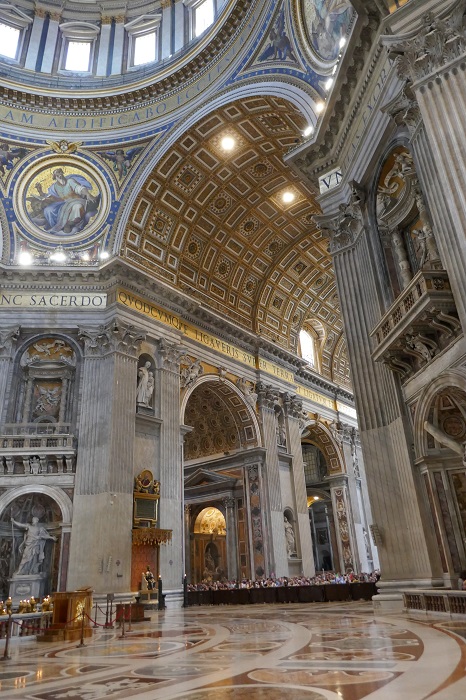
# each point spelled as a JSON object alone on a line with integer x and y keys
{"x": 101, "y": 536}
{"x": 8, "y": 338}
{"x": 293, "y": 411}
{"x": 171, "y": 472}
{"x": 187, "y": 541}
{"x": 431, "y": 56}
{"x": 407, "y": 551}
{"x": 231, "y": 538}
{"x": 267, "y": 397}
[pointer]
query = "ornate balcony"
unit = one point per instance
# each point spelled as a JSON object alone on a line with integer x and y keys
{"x": 37, "y": 448}
{"x": 420, "y": 324}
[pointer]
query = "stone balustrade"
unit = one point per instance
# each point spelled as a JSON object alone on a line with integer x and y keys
{"x": 37, "y": 448}
{"x": 419, "y": 325}
{"x": 435, "y": 603}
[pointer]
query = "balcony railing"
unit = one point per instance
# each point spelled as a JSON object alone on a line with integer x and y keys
{"x": 421, "y": 323}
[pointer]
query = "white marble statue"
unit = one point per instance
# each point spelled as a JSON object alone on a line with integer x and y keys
{"x": 32, "y": 546}
{"x": 290, "y": 538}
{"x": 145, "y": 385}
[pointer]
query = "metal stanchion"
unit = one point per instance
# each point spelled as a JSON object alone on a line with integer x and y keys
{"x": 81, "y": 643}
{"x": 108, "y": 618}
{"x": 95, "y": 616}
{"x": 129, "y": 625}
{"x": 161, "y": 606}
{"x": 123, "y": 624}
{"x": 185, "y": 591}
{"x": 6, "y": 655}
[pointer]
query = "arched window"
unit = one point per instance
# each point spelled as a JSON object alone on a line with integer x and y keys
{"x": 307, "y": 346}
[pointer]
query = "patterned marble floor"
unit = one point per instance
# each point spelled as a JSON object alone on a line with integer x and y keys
{"x": 291, "y": 652}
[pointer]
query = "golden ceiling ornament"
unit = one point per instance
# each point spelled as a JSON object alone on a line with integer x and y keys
{"x": 151, "y": 536}
{"x": 64, "y": 147}
{"x": 145, "y": 483}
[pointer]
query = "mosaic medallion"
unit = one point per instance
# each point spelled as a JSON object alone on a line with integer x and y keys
{"x": 61, "y": 199}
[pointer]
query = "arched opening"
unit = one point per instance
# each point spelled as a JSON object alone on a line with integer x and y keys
{"x": 441, "y": 448}
{"x": 31, "y": 551}
{"x": 217, "y": 484}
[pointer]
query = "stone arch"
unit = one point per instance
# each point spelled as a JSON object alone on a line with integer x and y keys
{"x": 225, "y": 402}
{"x": 320, "y": 434}
{"x": 286, "y": 90}
{"x": 454, "y": 378}
{"x": 56, "y": 494}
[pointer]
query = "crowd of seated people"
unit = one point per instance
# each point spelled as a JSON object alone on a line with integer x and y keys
{"x": 326, "y": 577}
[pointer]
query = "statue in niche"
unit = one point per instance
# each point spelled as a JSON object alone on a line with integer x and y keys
{"x": 145, "y": 385}
{"x": 32, "y": 547}
{"x": 34, "y": 465}
{"x": 290, "y": 538}
{"x": 281, "y": 435}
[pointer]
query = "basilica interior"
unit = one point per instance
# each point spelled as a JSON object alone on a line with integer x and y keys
{"x": 232, "y": 348}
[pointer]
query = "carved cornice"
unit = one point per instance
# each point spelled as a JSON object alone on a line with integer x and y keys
{"x": 324, "y": 155}
{"x": 435, "y": 44}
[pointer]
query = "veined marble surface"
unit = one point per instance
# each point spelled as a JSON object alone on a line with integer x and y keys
{"x": 329, "y": 651}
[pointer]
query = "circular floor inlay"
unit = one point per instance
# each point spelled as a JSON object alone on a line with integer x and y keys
{"x": 258, "y": 692}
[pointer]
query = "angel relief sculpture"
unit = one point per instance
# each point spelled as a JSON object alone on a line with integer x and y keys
{"x": 122, "y": 159}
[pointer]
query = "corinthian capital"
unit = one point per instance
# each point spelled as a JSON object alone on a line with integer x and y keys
{"x": 170, "y": 354}
{"x": 404, "y": 109}
{"x": 344, "y": 228}
{"x": 8, "y": 337}
{"x": 114, "y": 337}
{"x": 437, "y": 42}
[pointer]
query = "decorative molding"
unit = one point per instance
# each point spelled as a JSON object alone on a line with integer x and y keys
{"x": 344, "y": 229}
{"x": 432, "y": 47}
{"x": 115, "y": 337}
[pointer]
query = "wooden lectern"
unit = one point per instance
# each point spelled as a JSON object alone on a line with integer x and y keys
{"x": 69, "y": 607}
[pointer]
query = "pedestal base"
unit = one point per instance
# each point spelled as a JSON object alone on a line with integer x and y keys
{"x": 173, "y": 599}
{"x": 390, "y": 593}
{"x": 24, "y": 586}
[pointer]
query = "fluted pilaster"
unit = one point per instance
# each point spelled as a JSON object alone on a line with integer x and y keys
{"x": 432, "y": 60}
{"x": 100, "y": 547}
{"x": 231, "y": 538}
{"x": 8, "y": 338}
{"x": 385, "y": 439}
{"x": 294, "y": 411}
{"x": 267, "y": 397}
{"x": 171, "y": 466}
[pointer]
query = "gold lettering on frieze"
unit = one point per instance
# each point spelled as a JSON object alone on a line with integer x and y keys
{"x": 17, "y": 299}
{"x": 307, "y": 393}
{"x": 145, "y": 307}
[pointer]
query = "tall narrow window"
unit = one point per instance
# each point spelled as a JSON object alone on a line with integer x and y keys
{"x": 306, "y": 342}
{"x": 144, "y": 49}
{"x": 203, "y": 16}
{"x": 9, "y": 40}
{"x": 78, "y": 56}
